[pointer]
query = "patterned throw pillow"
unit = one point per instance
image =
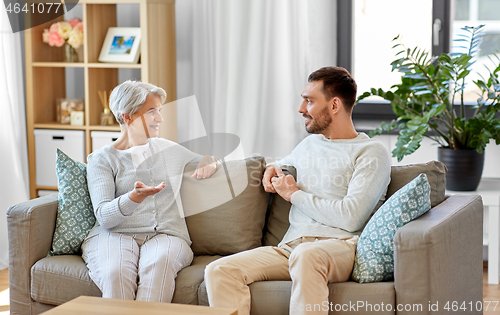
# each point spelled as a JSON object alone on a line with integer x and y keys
{"x": 375, "y": 251}
{"x": 75, "y": 215}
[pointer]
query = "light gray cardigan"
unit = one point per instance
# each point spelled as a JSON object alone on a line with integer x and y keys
{"x": 111, "y": 175}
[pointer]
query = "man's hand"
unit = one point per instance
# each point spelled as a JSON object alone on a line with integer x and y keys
{"x": 285, "y": 186}
{"x": 271, "y": 171}
{"x": 141, "y": 191}
{"x": 206, "y": 167}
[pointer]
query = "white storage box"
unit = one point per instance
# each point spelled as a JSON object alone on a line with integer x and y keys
{"x": 102, "y": 138}
{"x": 71, "y": 142}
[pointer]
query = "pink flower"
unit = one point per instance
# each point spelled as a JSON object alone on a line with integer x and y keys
{"x": 54, "y": 27}
{"x": 55, "y": 39}
{"x": 79, "y": 26}
{"x": 73, "y": 22}
{"x": 45, "y": 36}
{"x": 64, "y": 32}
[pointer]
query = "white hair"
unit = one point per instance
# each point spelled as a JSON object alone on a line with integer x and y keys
{"x": 129, "y": 96}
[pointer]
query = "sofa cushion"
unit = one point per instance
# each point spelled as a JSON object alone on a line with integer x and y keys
{"x": 189, "y": 279}
{"x": 368, "y": 298}
{"x": 375, "y": 250}
{"x": 277, "y": 216}
{"x": 75, "y": 215}
{"x": 59, "y": 279}
{"x": 225, "y": 213}
{"x": 436, "y": 175}
{"x": 273, "y": 297}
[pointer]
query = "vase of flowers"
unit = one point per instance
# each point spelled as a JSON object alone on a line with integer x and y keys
{"x": 68, "y": 34}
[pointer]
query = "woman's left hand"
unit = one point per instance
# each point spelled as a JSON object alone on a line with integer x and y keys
{"x": 206, "y": 167}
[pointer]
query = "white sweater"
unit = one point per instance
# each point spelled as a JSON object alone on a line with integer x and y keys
{"x": 341, "y": 182}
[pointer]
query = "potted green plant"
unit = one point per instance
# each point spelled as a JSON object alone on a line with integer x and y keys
{"x": 427, "y": 99}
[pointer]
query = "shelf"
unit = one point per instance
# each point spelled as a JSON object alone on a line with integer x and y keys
{"x": 115, "y": 1}
{"x": 46, "y": 188}
{"x": 104, "y": 128}
{"x": 55, "y": 125}
{"x": 59, "y": 64}
{"x": 172, "y": 2}
{"x": 49, "y": 78}
{"x": 115, "y": 65}
{"x": 89, "y": 65}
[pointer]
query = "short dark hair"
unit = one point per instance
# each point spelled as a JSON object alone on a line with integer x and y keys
{"x": 337, "y": 81}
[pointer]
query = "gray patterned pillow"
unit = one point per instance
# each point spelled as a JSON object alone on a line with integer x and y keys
{"x": 75, "y": 215}
{"x": 375, "y": 251}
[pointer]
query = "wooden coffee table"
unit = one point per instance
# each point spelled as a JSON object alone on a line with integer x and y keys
{"x": 86, "y": 305}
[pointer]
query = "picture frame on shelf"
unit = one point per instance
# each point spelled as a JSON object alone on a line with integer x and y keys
{"x": 122, "y": 45}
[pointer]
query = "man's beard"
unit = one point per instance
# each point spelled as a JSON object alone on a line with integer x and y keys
{"x": 319, "y": 124}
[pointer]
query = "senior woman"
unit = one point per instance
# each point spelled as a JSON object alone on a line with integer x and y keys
{"x": 140, "y": 241}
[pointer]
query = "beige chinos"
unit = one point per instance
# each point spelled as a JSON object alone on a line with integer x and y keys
{"x": 312, "y": 264}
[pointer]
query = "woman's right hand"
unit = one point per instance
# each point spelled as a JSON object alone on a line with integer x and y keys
{"x": 141, "y": 191}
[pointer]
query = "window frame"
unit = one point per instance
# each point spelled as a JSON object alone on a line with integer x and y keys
{"x": 364, "y": 110}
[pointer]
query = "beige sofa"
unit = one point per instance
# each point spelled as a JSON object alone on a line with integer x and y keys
{"x": 438, "y": 257}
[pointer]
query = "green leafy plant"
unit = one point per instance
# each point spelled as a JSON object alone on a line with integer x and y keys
{"x": 423, "y": 100}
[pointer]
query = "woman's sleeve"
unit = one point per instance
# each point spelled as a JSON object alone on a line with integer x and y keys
{"x": 108, "y": 209}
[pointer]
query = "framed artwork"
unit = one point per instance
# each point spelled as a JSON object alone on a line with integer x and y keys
{"x": 122, "y": 44}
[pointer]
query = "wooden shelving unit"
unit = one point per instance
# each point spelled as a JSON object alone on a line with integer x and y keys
{"x": 46, "y": 75}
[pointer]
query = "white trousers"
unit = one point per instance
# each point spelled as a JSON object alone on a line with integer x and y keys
{"x": 141, "y": 266}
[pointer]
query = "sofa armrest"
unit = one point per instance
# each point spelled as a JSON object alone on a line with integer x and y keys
{"x": 30, "y": 227}
{"x": 438, "y": 257}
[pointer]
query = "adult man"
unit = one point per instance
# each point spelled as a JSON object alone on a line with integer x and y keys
{"x": 342, "y": 176}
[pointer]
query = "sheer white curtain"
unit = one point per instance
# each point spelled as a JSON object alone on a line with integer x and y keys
{"x": 247, "y": 62}
{"x": 14, "y": 158}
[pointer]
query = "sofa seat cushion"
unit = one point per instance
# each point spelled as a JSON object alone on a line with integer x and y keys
{"x": 189, "y": 279}
{"x": 369, "y": 298}
{"x": 273, "y": 297}
{"x": 59, "y": 279}
{"x": 56, "y": 280}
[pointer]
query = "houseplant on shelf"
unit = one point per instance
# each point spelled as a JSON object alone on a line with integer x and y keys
{"x": 423, "y": 101}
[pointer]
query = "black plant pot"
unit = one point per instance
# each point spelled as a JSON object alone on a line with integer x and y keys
{"x": 465, "y": 168}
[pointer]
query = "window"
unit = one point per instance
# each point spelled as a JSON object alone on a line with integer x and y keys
{"x": 473, "y": 13}
{"x": 438, "y": 14}
{"x": 366, "y": 28}
{"x": 376, "y": 23}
